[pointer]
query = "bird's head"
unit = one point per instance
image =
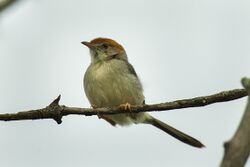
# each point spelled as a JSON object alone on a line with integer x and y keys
{"x": 102, "y": 49}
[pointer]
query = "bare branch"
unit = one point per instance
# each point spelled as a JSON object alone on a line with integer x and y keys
{"x": 6, "y": 3}
{"x": 56, "y": 111}
{"x": 237, "y": 150}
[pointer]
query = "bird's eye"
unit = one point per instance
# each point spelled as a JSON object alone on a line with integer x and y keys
{"x": 105, "y": 46}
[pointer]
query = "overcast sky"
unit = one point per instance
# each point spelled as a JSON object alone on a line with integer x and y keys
{"x": 180, "y": 49}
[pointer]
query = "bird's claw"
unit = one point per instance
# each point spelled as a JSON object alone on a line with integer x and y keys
{"x": 127, "y": 106}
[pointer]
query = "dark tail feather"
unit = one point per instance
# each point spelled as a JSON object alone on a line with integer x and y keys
{"x": 175, "y": 133}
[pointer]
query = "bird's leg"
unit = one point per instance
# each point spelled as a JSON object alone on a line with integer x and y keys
{"x": 127, "y": 106}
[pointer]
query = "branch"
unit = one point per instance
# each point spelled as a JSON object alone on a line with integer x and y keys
{"x": 6, "y": 3}
{"x": 237, "y": 150}
{"x": 56, "y": 111}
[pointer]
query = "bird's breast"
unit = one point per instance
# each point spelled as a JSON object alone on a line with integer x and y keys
{"x": 110, "y": 84}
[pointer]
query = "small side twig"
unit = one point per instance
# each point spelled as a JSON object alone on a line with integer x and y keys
{"x": 56, "y": 112}
{"x": 237, "y": 149}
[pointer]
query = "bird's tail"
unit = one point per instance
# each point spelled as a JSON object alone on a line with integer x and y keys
{"x": 174, "y": 132}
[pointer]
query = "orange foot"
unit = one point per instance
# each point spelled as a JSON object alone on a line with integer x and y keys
{"x": 127, "y": 106}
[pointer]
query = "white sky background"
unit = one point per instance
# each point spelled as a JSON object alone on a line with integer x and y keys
{"x": 180, "y": 49}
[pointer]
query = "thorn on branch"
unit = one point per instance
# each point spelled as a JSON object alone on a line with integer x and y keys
{"x": 56, "y": 101}
{"x": 56, "y": 110}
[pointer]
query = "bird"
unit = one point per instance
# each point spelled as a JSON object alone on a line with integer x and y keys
{"x": 110, "y": 80}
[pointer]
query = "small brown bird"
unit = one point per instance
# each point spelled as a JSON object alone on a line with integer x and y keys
{"x": 111, "y": 80}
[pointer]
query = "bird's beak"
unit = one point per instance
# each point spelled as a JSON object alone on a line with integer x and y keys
{"x": 88, "y": 44}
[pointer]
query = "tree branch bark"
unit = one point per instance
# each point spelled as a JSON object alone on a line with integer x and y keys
{"x": 237, "y": 149}
{"x": 56, "y": 111}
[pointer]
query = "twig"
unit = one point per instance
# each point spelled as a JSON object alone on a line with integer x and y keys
{"x": 56, "y": 111}
{"x": 237, "y": 150}
{"x": 6, "y": 3}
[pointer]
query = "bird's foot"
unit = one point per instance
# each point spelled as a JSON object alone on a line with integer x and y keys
{"x": 127, "y": 106}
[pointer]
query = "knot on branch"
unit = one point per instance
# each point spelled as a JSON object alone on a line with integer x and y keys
{"x": 54, "y": 110}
